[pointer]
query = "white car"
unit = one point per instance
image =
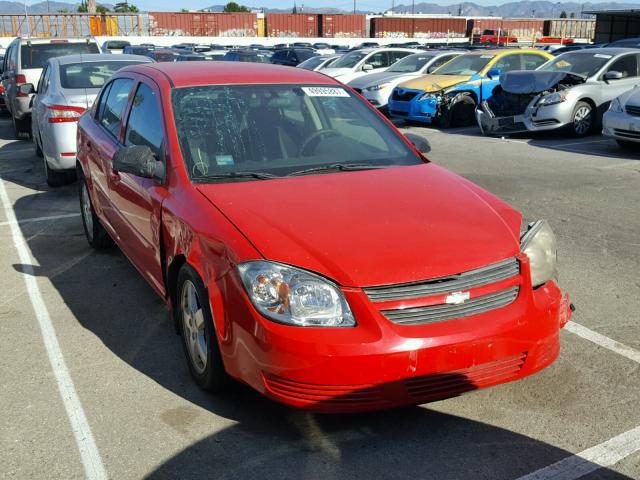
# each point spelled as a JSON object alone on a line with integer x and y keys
{"x": 364, "y": 61}
{"x": 377, "y": 87}
{"x": 319, "y": 62}
{"x": 622, "y": 120}
{"x": 67, "y": 87}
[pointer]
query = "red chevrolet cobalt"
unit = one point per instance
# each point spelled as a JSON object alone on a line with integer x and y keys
{"x": 306, "y": 247}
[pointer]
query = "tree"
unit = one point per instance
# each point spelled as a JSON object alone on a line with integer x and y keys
{"x": 82, "y": 8}
{"x": 184, "y": 10}
{"x": 102, "y": 9}
{"x": 572, "y": 15}
{"x": 234, "y": 7}
{"x": 125, "y": 8}
{"x": 563, "y": 14}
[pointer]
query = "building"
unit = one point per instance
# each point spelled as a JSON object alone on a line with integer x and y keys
{"x": 612, "y": 25}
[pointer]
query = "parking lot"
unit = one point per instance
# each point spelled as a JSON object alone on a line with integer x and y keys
{"x": 94, "y": 381}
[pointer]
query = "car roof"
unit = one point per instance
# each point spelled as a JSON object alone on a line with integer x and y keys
{"x": 228, "y": 73}
{"x": 36, "y": 40}
{"x": 96, "y": 57}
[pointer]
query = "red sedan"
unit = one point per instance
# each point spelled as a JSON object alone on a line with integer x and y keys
{"x": 306, "y": 247}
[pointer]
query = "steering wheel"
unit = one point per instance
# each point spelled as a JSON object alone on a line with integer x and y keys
{"x": 330, "y": 132}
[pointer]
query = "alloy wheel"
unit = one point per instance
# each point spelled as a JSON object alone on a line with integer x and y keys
{"x": 87, "y": 215}
{"x": 194, "y": 327}
{"x": 582, "y": 120}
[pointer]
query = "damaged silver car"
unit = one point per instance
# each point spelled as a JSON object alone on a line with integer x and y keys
{"x": 570, "y": 92}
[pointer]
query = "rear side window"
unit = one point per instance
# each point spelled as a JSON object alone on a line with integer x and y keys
{"x": 531, "y": 61}
{"x": 36, "y": 55}
{"x": 110, "y": 115}
{"x": 145, "y": 121}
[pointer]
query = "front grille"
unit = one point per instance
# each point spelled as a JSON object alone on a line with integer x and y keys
{"x": 405, "y": 96}
{"x": 450, "y": 384}
{"x": 627, "y": 133}
{"x": 439, "y": 313}
{"x": 633, "y": 110}
{"x": 453, "y": 283}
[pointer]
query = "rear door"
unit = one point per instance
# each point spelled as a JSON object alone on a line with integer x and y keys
{"x": 137, "y": 201}
{"x": 629, "y": 66}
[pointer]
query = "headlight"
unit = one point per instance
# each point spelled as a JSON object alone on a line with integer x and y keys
{"x": 292, "y": 296}
{"x": 615, "y": 106}
{"x": 375, "y": 88}
{"x": 552, "y": 99}
{"x": 539, "y": 244}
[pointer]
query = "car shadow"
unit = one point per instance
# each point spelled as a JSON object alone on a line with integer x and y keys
{"x": 106, "y": 296}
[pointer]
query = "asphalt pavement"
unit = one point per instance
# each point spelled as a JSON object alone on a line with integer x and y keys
{"x": 115, "y": 400}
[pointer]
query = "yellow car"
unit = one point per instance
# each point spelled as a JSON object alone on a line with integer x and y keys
{"x": 449, "y": 96}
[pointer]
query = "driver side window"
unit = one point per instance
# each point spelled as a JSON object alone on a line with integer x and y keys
{"x": 627, "y": 65}
{"x": 378, "y": 60}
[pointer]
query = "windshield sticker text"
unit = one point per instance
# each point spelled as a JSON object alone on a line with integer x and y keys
{"x": 325, "y": 92}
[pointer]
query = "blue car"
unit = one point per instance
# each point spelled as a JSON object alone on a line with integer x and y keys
{"x": 451, "y": 94}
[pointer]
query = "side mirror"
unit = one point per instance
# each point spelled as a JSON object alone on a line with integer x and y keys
{"x": 613, "y": 75}
{"x": 139, "y": 160}
{"x": 494, "y": 73}
{"x": 26, "y": 89}
{"x": 418, "y": 141}
{"x": 367, "y": 67}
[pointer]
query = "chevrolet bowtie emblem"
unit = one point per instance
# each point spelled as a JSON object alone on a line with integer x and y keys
{"x": 457, "y": 298}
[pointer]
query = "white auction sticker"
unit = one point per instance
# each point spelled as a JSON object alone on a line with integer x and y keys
{"x": 325, "y": 92}
{"x": 600, "y": 55}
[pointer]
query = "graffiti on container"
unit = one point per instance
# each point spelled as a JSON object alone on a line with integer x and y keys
{"x": 420, "y": 35}
{"x": 348, "y": 35}
{"x": 238, "y": 32}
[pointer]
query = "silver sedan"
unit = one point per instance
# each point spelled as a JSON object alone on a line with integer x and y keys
{"x": 622, "y": 120}
{"x": 67, "y": 87}
{"x": 570, "y": 92}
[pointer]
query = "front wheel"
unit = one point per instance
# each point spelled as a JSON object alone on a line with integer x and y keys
{"x": 583, "y": 119}
{"x": 96, "y": 235}
{"x": 460, "y": 113}
{"x": 198, "y": 333}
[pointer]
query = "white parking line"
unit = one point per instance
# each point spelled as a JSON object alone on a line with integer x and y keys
{"x": 90, "y": 456}
{"x": 603, "y": 455}
{"x": 561, "y": 145}
{"x": 603, "y": 341}
{"x": 39, "y": 219}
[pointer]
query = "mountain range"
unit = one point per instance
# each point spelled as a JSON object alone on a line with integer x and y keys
{"x": 518, "y": 9}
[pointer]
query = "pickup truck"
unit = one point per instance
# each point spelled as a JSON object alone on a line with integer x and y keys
{"x": 497, "y": 37}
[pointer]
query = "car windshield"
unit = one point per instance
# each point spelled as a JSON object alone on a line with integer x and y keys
{"x": 280, "y": 130}
{"x": 258, "y": 58}
{"x": 464, "y": 65}
{"x": 411, "y": 64}
{"x": 311, "y": 63}
{"x": 90, "y": 74}
{"x": 350, "y": 60}
{"x": 580, "y": 63}
{"x": 37, "y": 54}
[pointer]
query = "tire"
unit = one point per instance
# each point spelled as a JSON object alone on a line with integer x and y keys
{"x": 21, "y": 128}
{"x": 54, "y": 178}
{"x": 583, "y": 120}
{"x": 461, "y": 113}
{"x": 628, "y": 145}
{"x": 38, "y": 149}
{"x": 96, "y": 235}
{"x": 198, "y": 332}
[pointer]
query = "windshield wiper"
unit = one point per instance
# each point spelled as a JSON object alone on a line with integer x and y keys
{"x": 342, "y": 167}
{"x": 232, "y": 175}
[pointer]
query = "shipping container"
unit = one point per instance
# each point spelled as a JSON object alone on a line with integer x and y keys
{"x": 300, "y": 25}
{"x": 343, "y": 26}
{"x": 426, "y": 28}
{"x": 523, "y": 29}
{"x": 570, "y": 28}
{"x": 71, "y": 24}
{"x": 204, "y": 24}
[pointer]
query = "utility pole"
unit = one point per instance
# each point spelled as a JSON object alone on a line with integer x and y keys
{"x": 91, "y": 6}
{"x": 354, "y": 7}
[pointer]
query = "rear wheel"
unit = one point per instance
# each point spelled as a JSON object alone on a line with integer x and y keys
{"x": 198, "y": 332}
{"x": 583, "y": 119}
{"x": 54, "y": 178}
{"x": 96, "y": 235}
{"x": 21, "y": 127}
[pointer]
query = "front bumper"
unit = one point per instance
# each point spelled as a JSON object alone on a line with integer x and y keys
{"x": 621, "y": 126}
{"x": 379, "y": 364}
{"x": 425, "y": 111}
{"x": 378, "y": 98}
{"x": 533, "y": 119}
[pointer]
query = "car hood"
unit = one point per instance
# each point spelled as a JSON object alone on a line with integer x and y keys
{"x": 434, "y": 83}
{"x": 372, "y": 227}
{"x": 336, "y": 72}
{"x": 377, "y": 78}
{"x": 527, "y": 81}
